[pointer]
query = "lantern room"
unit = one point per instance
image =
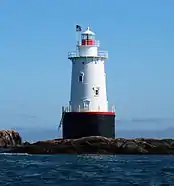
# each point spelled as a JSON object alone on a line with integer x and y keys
{"x": 88, "y": 37}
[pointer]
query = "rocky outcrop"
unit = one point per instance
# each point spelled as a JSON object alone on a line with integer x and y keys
{"x": 99, "y": 145}
{"x": 9, "y": 138}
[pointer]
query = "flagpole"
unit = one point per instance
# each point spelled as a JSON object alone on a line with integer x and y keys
{"x": 78, "y": 29}
{"x": 77, "y": 42}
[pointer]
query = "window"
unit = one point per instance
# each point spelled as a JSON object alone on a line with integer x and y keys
{"x": 90, "y": 37}
{"x": 86, "y": 104}
{"x": 96, "y": 91}
{"x": 87, "y": 36}
{"x": 81, "y": 77}
{"x": 84, "y": 36}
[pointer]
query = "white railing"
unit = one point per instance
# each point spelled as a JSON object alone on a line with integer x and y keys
{"x": 72, "y": 54}
{"x": 79, "y": 109}
{"x": 101, "y": 54}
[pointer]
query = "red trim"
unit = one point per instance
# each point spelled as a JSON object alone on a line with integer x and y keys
{"x": 95, "y": 113}
{"x": 88, "y": 42}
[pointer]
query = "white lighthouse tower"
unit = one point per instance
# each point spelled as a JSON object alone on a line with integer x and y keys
{"x": 87, "y": 113}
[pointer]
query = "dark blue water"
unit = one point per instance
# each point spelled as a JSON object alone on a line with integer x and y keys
{"x": 72, "y": 170}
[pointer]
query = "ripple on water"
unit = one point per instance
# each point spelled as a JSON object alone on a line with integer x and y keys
{"x": 81, "y": 170}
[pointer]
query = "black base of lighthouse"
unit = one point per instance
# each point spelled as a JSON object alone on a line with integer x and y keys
{"x": 83, "y": 124}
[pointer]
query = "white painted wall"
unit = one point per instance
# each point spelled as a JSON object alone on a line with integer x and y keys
{"x": 93, "y": 72}
{"x": 88, "y": 50}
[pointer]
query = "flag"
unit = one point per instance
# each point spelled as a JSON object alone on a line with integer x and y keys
{"x": 78, "y": 28}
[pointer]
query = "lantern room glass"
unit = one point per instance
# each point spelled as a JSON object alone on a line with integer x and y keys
{"x": 88, "y": 37}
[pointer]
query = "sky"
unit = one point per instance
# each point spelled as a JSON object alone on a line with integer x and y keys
{"x": 36, "y": 36}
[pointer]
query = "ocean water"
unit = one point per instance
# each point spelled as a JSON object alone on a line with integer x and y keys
{"x": 79, "y": 170}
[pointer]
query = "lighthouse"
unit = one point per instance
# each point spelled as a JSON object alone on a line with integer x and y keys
{"x": 88, "y": 112}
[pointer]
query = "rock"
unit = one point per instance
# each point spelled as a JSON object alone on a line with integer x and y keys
{"x": 98, "y": 145}
{"x": 26, "y": 143}
{"x": 9, "y": 138}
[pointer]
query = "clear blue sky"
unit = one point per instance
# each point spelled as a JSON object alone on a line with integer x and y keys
{"x": 35, "y": 37}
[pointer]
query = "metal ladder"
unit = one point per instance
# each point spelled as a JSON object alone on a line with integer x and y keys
{"x": 61, "y": 121}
